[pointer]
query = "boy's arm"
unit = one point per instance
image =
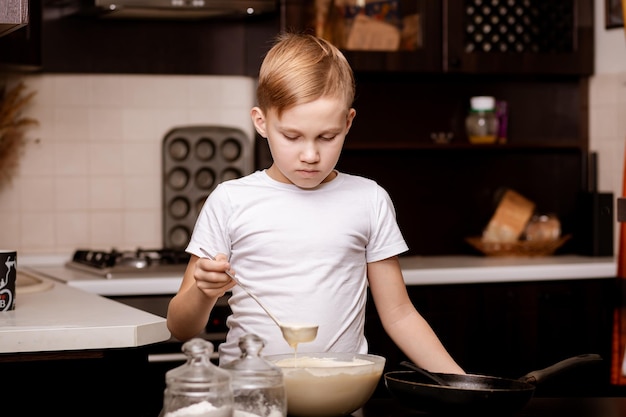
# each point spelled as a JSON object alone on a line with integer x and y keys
{"x": 188, "y": 311}
{"x": 402, "y": 322}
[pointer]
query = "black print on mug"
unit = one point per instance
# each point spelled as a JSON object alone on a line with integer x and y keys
{"x": 6, "y": 290}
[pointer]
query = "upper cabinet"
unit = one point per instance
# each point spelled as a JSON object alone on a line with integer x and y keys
{"x": 429, "y": 36}
{"x": 519, "y": 36}
{"x": 13, "y": 15}
{"x": 63, "y": 37}
{"x": 455, "y": 36}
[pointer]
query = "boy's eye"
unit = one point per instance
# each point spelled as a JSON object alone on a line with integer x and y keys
{"x": 328, "y": 137}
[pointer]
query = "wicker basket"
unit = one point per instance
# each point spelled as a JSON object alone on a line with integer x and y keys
{"x": 525, "y": 248}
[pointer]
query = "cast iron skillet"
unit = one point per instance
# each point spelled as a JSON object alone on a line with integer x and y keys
{"x": 473, "y": 393}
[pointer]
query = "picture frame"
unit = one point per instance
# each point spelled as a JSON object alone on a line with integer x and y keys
{"x": 614, "y": 15}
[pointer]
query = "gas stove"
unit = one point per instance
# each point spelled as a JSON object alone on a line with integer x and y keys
{"x": 130, "y": 264}
{"x": 119, "y": 273}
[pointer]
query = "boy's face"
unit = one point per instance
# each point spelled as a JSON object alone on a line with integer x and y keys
{"x": 306, "y": 140}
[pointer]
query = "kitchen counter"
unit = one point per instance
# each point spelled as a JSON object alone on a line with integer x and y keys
{"x": 417, "y": 270}
{"x": 57, "y": 317}
{"x": 427, "y": 270}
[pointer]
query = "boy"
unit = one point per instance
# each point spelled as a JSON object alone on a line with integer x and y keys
{"x": 306, "y": 239}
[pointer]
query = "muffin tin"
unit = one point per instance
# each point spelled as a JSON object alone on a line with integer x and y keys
{"x": 195, "y": 160}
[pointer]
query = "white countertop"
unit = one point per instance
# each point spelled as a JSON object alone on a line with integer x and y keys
{"x": 59, "y": 318}
{"x": 417, "y": 270}
{"x": 430, "y": 270}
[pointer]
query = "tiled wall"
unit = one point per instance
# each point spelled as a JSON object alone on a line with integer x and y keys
{"x": 607, "y": 133}
{"x": 90, "y": 175}
{"x": 607, "y": 128}
{"x": 607, "y": 105}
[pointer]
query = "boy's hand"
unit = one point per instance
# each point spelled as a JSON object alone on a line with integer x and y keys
{"x": 210, "y": 275}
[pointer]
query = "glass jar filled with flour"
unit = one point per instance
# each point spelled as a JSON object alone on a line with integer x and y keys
{"x": 197, "y": 388}
{"x": 257, "y": 384}
{"x": 482, "y": 123}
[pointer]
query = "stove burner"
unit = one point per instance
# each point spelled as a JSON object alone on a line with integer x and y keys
{"x": 125, "y": 264}
{"x": 141, "y": 258}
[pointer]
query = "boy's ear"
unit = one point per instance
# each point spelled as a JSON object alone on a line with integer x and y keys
{"x": 258, "y": 120}
{"x": 350, "y": 118}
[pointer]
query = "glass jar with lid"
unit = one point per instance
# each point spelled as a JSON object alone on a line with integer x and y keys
{"x": 257, "y": 384}
{"x": 481, "y": 123}
{"x": 197, "y": 388}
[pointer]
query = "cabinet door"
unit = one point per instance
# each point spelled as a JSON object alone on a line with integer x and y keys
{"x": 13, "y": 15}
{"x": 69, "y": 42}
{"x": 21, "y": 49}
{"x": 509, "y": 329}
{"x": 517, "y": 37}
{"x": 419, "y": 51}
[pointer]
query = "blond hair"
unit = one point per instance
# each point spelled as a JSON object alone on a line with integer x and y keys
{"x": 300, "y": 68}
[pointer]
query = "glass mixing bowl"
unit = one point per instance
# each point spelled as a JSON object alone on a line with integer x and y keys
{"x": 328, "y": 384}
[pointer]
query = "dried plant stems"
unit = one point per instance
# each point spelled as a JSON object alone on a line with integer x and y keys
{"x": 12, "y": 126}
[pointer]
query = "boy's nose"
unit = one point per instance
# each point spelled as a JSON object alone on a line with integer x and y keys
{"x": 309, "y": 154}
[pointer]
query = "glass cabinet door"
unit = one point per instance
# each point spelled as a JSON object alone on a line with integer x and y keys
{"x": 519, "y": 36}
{"x": 465, "y": 36}
{"x": 387, "y": 35}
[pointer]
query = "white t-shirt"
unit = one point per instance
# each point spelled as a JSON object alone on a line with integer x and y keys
{"x": 302, "y": 252}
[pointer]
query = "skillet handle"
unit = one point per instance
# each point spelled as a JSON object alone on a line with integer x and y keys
{"x": 566, "y": 364}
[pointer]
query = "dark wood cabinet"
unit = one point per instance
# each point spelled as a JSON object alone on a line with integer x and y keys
{"x": 405, "y": 111}
{"x": 13, "y": 15}
{"x": 476, "y": 36}
{"x": 21, "y": 49}
{"x": 60, "y": 40}
{"x": 452, "y": 36}
{"x": 519, "y": 37}
{"x": 97, "y": 383}
{"x": 510, "y": 329}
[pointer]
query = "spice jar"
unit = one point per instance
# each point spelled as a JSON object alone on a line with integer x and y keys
{"x": 481, "y": 123}
{"x": 257, "y": 384}
{"x": 543, "y": 227}
{"x": 197, "y": 388}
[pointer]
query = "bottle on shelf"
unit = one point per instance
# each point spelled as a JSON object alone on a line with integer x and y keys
{"x": 481, "y": 123}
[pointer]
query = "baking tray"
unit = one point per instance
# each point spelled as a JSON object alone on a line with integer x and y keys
{"x": 195, "y": 160}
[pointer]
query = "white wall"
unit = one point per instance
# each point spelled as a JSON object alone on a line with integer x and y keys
{"x": 90, "y": 175}
{"x": 610, "y": 45}
{"x": 607, "y": 95}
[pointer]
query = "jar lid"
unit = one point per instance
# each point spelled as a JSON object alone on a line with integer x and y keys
{"x": 483, "y": 103}
{"x": 198, "y": 370}
{"x": 251, "y": 362}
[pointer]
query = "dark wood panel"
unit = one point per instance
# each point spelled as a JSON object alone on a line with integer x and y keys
{"x": 409, "y": 108}
{"x": 510, "y": 329}
{"x": 87, "y": 45}
{"x": 60, "y": 41}
{"x": 567, "y": 22}
{"x": 21, "y": 49}
{"x": 441, "y": 197}
{"x": 445, "y": 26}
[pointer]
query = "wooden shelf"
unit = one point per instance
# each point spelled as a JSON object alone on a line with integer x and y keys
{"x": 352, "y": 144}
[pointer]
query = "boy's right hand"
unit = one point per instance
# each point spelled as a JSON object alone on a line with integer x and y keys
{"x": 210, "y": 275}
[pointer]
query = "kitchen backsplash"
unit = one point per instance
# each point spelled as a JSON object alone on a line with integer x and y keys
{"x": 607, "y": 128}
{"x": 90, "y": 175}
{"x": 607, "y": 133}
